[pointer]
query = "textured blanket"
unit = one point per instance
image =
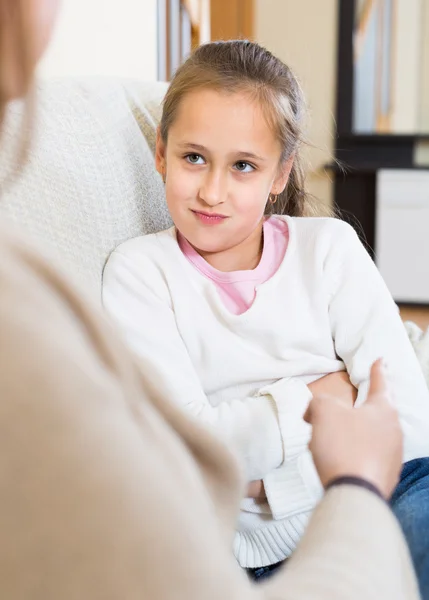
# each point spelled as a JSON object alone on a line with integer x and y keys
{"x": 420, "y": 342}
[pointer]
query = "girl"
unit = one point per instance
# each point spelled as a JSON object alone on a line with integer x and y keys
{"x": 239, "y": 315}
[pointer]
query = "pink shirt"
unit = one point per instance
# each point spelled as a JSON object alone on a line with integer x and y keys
{"x": 237, "y": 289}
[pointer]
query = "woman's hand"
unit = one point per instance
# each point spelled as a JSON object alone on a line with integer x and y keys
{"x": 365, "y": 442}
{"x": 335, "y": 385}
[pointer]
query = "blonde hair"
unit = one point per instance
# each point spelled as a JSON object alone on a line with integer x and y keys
{"x": 243, "y": 66}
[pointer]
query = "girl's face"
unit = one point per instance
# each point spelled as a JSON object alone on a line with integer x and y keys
{"x": 221, "y": 163}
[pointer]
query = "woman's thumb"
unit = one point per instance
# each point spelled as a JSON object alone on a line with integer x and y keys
{"x": 377, "y": 383}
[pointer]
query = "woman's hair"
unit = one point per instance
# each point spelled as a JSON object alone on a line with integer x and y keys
{"x": 16, "y": 40}
{"x": 243, "y": 66}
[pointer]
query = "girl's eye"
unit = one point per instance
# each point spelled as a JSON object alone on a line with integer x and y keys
{"x": 194, "y": 159}
{"x": 244, "y": 167}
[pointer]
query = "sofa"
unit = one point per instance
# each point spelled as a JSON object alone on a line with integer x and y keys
{"x": 89, "y": 182}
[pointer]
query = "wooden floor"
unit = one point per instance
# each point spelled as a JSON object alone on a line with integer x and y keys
{"x": 417, "y": 314}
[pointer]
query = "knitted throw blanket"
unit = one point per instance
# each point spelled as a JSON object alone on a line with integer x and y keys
{"x": 420, "y": 341}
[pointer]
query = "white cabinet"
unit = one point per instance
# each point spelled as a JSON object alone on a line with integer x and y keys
{"x": 402, "y": 232}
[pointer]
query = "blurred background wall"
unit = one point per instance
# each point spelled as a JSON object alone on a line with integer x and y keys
{"x": 104, "y": 37}
{"x": 121, "y": 38}
{"x": 304, "y": 35}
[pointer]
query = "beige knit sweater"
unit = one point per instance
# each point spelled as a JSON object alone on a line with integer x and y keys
{"x": 108, "y": 492}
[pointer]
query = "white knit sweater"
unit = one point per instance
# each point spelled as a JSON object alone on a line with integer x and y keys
{"x": 326, "y": 309}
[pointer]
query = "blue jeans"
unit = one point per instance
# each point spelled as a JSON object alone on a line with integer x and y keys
{"x": 261, "y": 573}
{"x": 410, "y": 503}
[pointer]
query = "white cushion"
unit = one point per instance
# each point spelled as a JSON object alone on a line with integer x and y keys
{"x": 90, "y": 182}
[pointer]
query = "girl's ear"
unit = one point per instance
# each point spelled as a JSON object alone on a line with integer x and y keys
{"x": 160, "y": 154}
{"x": 282, "y": 178}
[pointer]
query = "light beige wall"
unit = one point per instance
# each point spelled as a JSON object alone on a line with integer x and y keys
{"x": 303, "y": 33}
{"x": 424, "y": 98}
{"x": 407, "y": 52}
{"x": 104, "y": 37}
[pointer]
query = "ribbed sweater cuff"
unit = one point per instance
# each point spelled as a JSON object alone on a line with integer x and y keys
{"x": 292, "y": 397}
{"x": 294, "y": 487}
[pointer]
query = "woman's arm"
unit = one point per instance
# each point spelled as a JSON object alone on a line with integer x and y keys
{"x": 353, "y": 548}
{"x": 98, "y": 457}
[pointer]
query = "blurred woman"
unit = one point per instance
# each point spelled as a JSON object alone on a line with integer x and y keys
{"x": 103, "y": 481}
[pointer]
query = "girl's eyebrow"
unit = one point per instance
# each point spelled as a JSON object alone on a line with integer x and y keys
{"x": 192, "y": 146}
{"x": 250, "y": 156}
{"x": 239, "y": 153}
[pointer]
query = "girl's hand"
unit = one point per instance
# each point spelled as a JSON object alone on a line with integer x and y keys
{"x": 336, "y": 385}
{"x": 256, "y": 490}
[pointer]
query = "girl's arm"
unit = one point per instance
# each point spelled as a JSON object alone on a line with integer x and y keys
{"x": 336, "y": 385}
{"x": 265, "y": 430}
{"x": 366, "y": 326}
